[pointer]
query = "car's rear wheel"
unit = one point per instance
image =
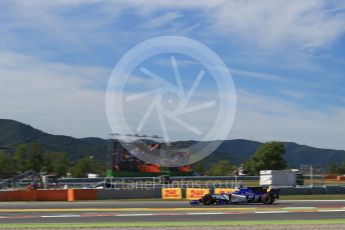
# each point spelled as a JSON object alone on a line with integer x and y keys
{"x": 267, "y": 199}
{"x": 208, "y": 200}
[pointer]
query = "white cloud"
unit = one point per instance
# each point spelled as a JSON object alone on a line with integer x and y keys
{"x": 268, "y": 23}
{"x": 63, "y": 102}
{"x": 257, "y": 75}
{"x": 294, "y": 94}
{"x": 267, "y": 118}
{"x": 162, "y": 20}
{"x": 65, "y": 98}
{"x": 271, "y": 23}
{"x": 52, "y": 96}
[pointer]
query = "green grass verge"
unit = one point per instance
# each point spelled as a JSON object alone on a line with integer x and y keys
{"x": 173, "y": 224}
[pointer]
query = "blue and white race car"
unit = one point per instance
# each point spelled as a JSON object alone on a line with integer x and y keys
{"x": 241, "y": 195}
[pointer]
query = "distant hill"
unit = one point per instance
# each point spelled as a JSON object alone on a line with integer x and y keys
{"x": 13, "y": 133}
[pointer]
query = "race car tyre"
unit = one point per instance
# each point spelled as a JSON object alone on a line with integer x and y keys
{"x": 267, "y": 199}
{"x": 208, "y": 200}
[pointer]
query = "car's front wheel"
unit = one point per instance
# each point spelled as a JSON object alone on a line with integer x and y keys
{"x": 267, "y": 199}
{"x": 208, "y": 200}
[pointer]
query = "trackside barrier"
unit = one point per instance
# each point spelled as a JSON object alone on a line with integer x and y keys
{"x": 196, "y": 193}
{"x": 330, "y": 177}
{"x": 20, "y": 195}
{"x": 313, "y": 190}
{"x": 81, "y": 182}
{"x": 165, "y": 193}
{"x": 81, "y": 194}
{"x": 34, "y": 195}
{"x": 171, "y": 193}
{"x": 317, "y": 190}
{"x": 51, "y": 195}
{"x": 106, "y": 194}
{"x": 295, "y": 191}
{"x": 224, "y": 190}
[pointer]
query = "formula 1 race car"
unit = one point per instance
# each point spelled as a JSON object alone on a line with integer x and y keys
{"x": 241, "y": 195}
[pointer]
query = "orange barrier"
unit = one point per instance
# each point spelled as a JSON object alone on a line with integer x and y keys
{"x": 81, "y": 194}
{"x": 331, "y": 177}
{"x": 340, "y": 177}
{"x": 34, "y": 195}
{"x": 171, "y": 193}
{"x": 196, "y": 193}
{"x": 224, "y": 190}
{"x": 20, "y": 195}
{"x": 51, "y": 195}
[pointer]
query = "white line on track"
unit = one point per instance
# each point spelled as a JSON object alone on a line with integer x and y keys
{"x": 206, "y": 213}
{"x": 135, "y": 214}
{"x": 271, "y": 212}
{"x": 335, "y": 210}
{"x": 63, "y": 216}
{"x": 298, "y": 207}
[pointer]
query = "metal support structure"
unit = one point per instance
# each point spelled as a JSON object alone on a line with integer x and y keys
{"x": 119, "y": 151}
{"x": 30, "y": 173}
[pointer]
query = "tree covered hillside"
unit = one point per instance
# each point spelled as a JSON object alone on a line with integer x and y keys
{"x": 13, "y": 133}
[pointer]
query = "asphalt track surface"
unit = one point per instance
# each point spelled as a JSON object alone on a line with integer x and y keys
{"x": 161, "y": 211}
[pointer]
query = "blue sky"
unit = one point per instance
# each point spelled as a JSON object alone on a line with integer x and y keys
{"x": 287, "y": 59}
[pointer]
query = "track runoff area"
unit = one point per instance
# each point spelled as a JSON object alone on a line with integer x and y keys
{"x": 154, "y": 213}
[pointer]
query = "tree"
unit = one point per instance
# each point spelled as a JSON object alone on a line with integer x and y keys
{"x": 221, "y": 168}
{"x": 337, "y": 168}
{"x": 20, "y": 158}
{"x": 7, "y": 167}
{"x": 85, "y": 165}
{"x": 55, "y": 162}
{"x": 198, "y": 168}
{"x": 35, "y": 157}
{"x": 333, "y": 168}
{"x": 269, "y": 156}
